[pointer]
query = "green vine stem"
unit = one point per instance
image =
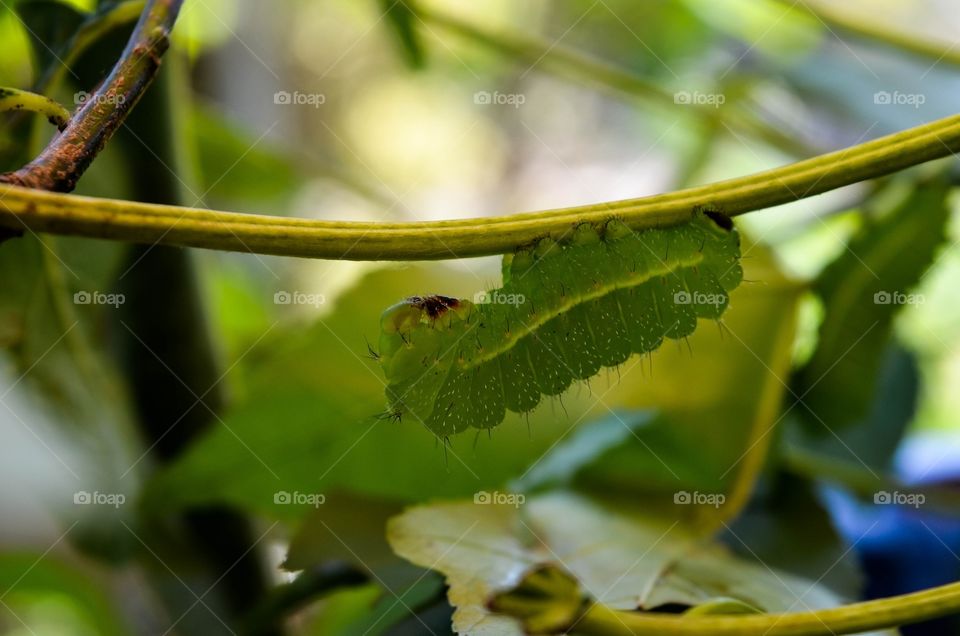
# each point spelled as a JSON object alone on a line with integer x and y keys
{"x": 18, "y": 100}
{"x": 844, "y": 20}
{"x": 69, "y": 154}
{"x": 352, "y": 240}
{"x": 861, "y": 481}
{"x": 848, "y": 619}
{"x": 561, "y": 60}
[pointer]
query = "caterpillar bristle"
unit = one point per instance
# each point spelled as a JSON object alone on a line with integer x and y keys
{"x": 722, "y": 326}
{"x": 390, "y": 415}
{"x": 372, "y": 353}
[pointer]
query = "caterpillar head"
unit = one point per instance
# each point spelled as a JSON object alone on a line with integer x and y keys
{"x": 713, "y": 212}
{"x": 407, "y": 314}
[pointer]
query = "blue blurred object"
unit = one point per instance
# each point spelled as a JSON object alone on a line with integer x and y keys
{"x": 906, "y": 548}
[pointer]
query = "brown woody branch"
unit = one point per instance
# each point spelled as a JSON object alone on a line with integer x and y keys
{"x": 70, "y": 153}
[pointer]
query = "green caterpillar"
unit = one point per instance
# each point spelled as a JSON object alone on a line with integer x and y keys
{"x": 565, "y": 310}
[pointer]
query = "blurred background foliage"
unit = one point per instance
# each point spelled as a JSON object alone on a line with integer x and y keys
{"x": 401, "y": 135}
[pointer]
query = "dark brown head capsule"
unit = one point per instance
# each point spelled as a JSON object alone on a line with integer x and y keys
{"x": 435, "y": 306}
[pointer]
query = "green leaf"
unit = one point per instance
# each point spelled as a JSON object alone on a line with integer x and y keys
{"x": 716, "y": 396}
{"x": 869, "y": 443}
{"x": 246, "y": 170}
{"x": 54, "y": 597}
{"x": 352, "y": 529}
{"x": 566, "y": 309}
{"x": 45, "y": 328}
{"x": 343, "y": 610}
{"x": 722, "y": 605}
{"x": 862, "y": 292}
{"x": 859, "y": 457}
{"x": 23, "y": 255}
{"x": 235, "y": 165}
{"x": 344, "y": 527}
{"x": 371, "y": 610}
{"x": 6, "y": 235}
{"x": 618, "y": 557}
{"x": 54, "y": 344}
{"x": 792, "y": 32}
{"x": 787, "y": 528}
{"x": 708, "y": 572}
{"x": 403, "y": 21}
{"x": 49, "y": 25}
{"x": 306, "y": 419}
{"x": 485, "y": 548}
{"x": 586, "y": 445}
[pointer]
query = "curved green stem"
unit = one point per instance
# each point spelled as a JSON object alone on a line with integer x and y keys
{"x": 556, "y": 58}
{"x": 847, "y": 619}
{"x": 346, "y": 240}
{"x": 15, "y": 99}
{"x": 862, "y": 482}
{"x": 844, "y": 20}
